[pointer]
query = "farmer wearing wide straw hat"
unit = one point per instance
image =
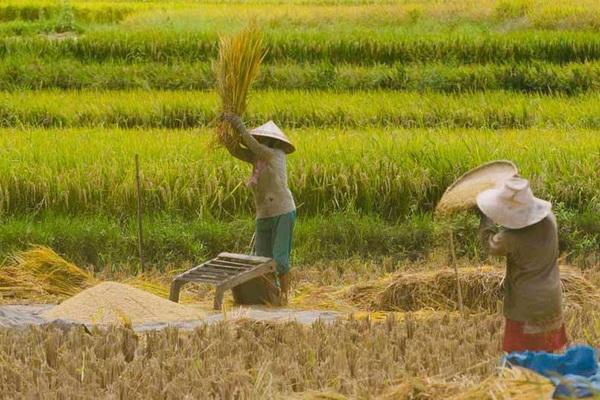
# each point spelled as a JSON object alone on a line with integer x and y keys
{"x": 532, "y": 288}
{"x": 266, "y": 148}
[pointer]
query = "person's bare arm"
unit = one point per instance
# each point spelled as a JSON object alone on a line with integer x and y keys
{"x": 493, "y": 241}
{"x": 259, "y": 150}
{"x": 240, "y": 153}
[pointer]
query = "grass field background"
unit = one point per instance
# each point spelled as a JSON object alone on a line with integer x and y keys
{"x": 196, "y": 204}
{"x": 388, "y": 102}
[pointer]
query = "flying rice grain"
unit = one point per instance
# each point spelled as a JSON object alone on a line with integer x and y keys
{"x": 462, "y": 194}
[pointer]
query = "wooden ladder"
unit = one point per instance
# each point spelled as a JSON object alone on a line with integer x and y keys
{"x": 225, "y": 271}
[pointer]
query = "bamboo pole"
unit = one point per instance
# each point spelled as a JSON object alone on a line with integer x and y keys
{"x": 454, "y": 264}
{"x": 139, "y": 212}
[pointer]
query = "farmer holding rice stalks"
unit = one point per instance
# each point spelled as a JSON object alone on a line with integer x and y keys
{"x": 532, "y": 288}
{"x": 266, "y": 148}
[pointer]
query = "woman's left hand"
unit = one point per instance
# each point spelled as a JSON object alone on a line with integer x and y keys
{"x": 228, "y": 116}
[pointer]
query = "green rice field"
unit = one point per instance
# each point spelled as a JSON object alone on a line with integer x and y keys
{"x": 388, "y": 102}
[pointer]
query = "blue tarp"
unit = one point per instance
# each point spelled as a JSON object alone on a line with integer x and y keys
{"x": 575, "y": 373}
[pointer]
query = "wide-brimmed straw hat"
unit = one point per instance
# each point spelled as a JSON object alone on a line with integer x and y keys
{"x": 513, "y": 205}
{"x": 270, "y": 130}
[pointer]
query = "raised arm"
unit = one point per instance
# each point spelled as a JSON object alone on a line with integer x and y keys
{"x": 259, "y": 150}
{"x": 492, "y": 240}
{"x": 240, "y": 153}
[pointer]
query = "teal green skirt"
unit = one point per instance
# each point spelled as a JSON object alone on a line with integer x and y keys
{"x": 274, "y": 239}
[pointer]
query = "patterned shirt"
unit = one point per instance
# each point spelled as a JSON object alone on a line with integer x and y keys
{"x": 269, "y": 182}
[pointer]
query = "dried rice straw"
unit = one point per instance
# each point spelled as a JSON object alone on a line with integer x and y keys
{"x": 482, "y": 290}
{"x": 41, "y": 272}
{"x": 236, "y": 67}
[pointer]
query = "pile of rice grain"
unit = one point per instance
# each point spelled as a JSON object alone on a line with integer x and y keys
{"x": 116, "y": 303}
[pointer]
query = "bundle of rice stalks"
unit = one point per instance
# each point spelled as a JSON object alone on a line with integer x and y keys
{"x": 52, "y": 272}
{"x": 18, "y": 284}
{"x": 237, "y": 66}
{"x": 40, "y": 272}
{"x": 482, "y": 290}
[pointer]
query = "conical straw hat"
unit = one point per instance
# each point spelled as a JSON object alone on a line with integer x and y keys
{"x": 462, "y": 194}
{"x": 271, "y": 130}
{"x": 513, "y": 205}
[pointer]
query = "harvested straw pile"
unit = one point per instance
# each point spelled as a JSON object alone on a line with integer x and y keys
{"x": 421, "y": 388}
{"x": 507, "y": 384}
{"x": 114, "y": 303}
{"x": 481, "y": 290}
{"x": 18, "y": 284}
{"x": 41, "y": 273}
{"x": 237, "y": 66}
{"x": 510, "y": 383}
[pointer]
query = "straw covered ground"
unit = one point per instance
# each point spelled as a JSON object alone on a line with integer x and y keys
{"x": 401, "y": 338}
{"x": 441, "y": 356}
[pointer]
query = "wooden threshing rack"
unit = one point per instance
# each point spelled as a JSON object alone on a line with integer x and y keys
{"x": 225, "y": 271}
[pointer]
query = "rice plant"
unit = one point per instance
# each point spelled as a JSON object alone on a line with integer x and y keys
{"x": 355, "y": 46}
{"x": 17, "y": 73}
{"x": 419, "y": 15}
{"x": 296, "y": 109}
{"x": 100, "y": 12}
{"x": 387, "y": 172}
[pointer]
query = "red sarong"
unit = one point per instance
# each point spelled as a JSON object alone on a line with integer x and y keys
{"x": 516, "y": 340}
